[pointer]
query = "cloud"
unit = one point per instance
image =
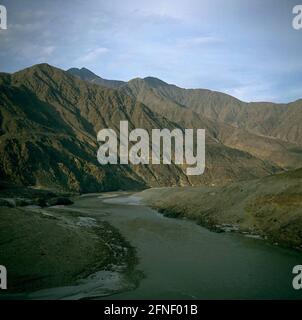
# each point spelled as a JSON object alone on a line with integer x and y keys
{"x": 37, "y": 51}
{"x": 156, "y": 9}
{"x": 48, "y": 50}
{"x": 204, "y": 40}
{"x": 199, "y": 41}
{"x": 25, "y": 28}
{"x": 252, "y": 92}
{"x": 92, "y": 55}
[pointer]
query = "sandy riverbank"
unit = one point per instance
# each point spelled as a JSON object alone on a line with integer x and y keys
{"x": 270, "y": 207}
{"x": 47, "y": 247}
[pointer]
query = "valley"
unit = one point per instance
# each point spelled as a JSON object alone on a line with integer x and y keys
{"x": 175, "y": 258}
{"x": 89, "y": 231}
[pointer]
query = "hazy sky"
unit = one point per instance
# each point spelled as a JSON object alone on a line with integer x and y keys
{"x": 246, "y": 48}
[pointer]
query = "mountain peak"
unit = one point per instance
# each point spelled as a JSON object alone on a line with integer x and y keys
{"x": 155, "y": 82}
{"x": 87, "y": 75}
{"x": 41, "y": 68}
{"x": 44, "y": 67}
{"x": 83, "y": 73}
{"x": 148, "y": 82}
{"x": 85, "y": 69}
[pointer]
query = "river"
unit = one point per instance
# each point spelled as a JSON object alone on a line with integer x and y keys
{"x": 182, "y": 260}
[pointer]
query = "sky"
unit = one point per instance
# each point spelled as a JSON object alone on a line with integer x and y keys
{"x": 246, "y": 48}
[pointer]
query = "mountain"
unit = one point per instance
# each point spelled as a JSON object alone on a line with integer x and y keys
{"x": 49, "y": 120}
{"x": 267, "y": 131}
{"x": 281, "y": 121}
{"x": 87, "y": 75}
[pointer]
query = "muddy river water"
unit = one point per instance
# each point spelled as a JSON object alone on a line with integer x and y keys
{"x": 182, "y": 260}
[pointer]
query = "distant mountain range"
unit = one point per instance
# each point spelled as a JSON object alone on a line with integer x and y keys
{"x": 266, "y": 130}
{"x": 49, "y": 119}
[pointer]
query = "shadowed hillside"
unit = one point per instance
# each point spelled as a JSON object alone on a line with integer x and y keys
{"x": 49, "y": 122}
{"x": 265, "y": 130}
